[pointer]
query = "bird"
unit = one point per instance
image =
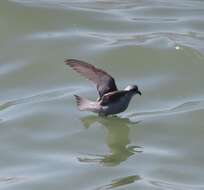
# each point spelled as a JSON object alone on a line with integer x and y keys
{"x": 111, "y": 101}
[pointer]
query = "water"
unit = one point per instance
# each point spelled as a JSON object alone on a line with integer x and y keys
{"x": 46, "y": 143}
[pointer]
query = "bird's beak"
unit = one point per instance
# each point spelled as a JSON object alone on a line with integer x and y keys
{"x": 138, "y": 92}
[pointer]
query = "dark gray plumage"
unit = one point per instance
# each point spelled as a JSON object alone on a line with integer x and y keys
{"x": 104, "y": 82}
{"x": 111, "y": 100}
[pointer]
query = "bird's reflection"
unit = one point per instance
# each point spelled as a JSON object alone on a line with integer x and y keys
{"x": 117, "y": 140}
{"x": 121, "y": 182}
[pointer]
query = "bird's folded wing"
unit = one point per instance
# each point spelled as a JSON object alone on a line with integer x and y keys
{"x": 112, "y": 97}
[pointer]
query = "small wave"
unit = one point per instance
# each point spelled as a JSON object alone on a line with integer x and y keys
{"x": 108, "y": 39}
{"x": 41, "y": 97}
{"x": 10, "y": 180}
{"x": 179, "y": 109}
{"x": 11, "y": 66}
{"x": 168, "y": 185}
{"x": 105, "y": 5}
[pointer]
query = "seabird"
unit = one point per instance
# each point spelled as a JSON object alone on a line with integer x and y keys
{"x": 111, "y": 100}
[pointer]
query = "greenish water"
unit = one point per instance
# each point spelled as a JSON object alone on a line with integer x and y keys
{"x": 46, "y": 143}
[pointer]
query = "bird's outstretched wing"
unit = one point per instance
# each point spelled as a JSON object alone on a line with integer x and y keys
{"x": 112, "y": 97}
{"x": 104, "y": 82}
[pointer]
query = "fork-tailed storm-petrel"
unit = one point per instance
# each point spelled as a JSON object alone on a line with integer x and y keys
{"x": 111, "y": 100}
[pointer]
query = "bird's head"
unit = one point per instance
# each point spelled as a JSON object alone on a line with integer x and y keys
{"x": 134, "y": 89}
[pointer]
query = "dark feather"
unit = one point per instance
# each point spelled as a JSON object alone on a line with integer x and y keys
{"x": 112, "y": 97}
{"x": 104, "y": 82}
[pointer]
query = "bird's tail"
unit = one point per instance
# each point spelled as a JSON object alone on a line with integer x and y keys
{"x": 85, "y": 105}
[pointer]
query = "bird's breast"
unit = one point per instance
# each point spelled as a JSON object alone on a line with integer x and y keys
{"x": 117, "y": 107}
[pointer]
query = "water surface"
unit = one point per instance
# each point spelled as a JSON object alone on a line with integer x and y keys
{"x": 46, "y": 143}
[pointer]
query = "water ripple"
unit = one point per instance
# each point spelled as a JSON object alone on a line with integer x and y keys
{"x": 173, "y": 186}
{"x": 109, "y": 5}
{"x": 45, "y": 96}
{"x": 188, "y": 106}
{"x": 105, "y": 39}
